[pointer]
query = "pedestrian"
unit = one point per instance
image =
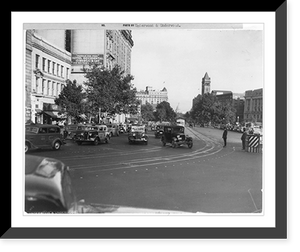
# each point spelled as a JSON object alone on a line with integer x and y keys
{"x": 243, "y": 138}
{"x": 225, "y": 136}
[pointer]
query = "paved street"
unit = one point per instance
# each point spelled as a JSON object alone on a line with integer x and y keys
{"x": 207, "y": 178}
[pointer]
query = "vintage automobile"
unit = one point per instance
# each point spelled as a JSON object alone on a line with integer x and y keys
{"x": 48, "y": 187}
{"x": 176, "y": 137}
{"x": 137, "y": 134}
{"x": 159, "y": 130}
{"x": 113, "y": 129}
{"x": 72, "y": 129}
{"x": 93, "y": 134}
{"x": 49, "y": 190}
{"x": 43, "y": 136}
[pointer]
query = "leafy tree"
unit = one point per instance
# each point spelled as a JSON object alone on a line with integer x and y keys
{"x": 110, "y": 91}
{"x": 147, "y": 112}
{"x": 209, "y": 109}
{"x": 71, "y": 99}
{"x": 164, "y": 112}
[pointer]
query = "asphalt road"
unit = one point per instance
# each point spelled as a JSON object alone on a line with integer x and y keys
{"x": 207, "y": 178}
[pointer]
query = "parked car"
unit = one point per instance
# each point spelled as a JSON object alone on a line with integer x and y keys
{"x": 43, "y": 136}
{"x": 72, "y": 129}
{"x": 175, "y": 136}
{"x": 48, "y": 187}
{"x": 93, "y": 135}
{"x": 137, "y": 134}
{"x": 113, "y": 129}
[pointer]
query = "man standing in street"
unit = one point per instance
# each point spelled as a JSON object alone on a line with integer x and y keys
{"x": 225, "y": 136}
{"x": 243, "y": 138}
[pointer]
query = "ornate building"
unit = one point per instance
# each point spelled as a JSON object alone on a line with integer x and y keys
{"x": 205, "y": 84}
{"x": 253, "y": 109}
{"x": 152, "y": 96}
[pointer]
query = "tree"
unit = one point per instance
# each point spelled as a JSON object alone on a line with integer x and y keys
{"x": 164, "y": 112}
{"x": 209, "y": 109}
{"x": 147, "y": 112}
{"x": 71, "y": 99}
{"x": 109, "y": 90}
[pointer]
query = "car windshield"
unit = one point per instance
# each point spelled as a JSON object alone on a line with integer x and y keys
{"x": 32, "y": 129}
{"x": 138, "y": 128}
{"x": 178, "y": 130}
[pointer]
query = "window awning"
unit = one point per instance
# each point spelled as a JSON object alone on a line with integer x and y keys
{"x": 50, "y": 113}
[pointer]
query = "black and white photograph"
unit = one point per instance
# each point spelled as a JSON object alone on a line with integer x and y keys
{"x": 148, "y": 125}
{"x": 144, "y": 118}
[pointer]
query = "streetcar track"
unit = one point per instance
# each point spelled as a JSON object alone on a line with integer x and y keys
{"x": 207, "y": 150}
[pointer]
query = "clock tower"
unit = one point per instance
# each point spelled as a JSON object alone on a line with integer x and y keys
{"x": 205, "y": 84}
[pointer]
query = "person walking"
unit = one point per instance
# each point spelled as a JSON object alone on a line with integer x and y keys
{"x": 243, "y": 138}
{"x": 225, "y": 136}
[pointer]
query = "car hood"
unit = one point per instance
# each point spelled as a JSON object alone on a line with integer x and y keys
{"x": 93, "y": 208}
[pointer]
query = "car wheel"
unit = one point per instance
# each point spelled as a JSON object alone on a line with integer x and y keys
{"x": 107, "y": 140}
{"x": 27, "y": 147}
{"x": 96, "y": 141}
{"x": 173, "y": 144}
{"x": 56, "y": 145}
{"x": 190, "y": 145}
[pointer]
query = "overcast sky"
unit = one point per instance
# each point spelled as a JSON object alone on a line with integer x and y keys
{"x": 179, "y": 58}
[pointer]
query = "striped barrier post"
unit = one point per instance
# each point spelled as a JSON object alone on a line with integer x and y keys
{"x": 253, "y": 143}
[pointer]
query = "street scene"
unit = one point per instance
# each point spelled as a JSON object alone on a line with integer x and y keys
{"x": 130, "y": 118}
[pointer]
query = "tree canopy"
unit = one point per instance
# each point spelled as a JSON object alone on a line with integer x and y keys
{"x": 110, "y": 90}
{"x": 71, "y": 99}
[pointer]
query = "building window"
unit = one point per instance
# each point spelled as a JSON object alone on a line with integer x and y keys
{"x": 57, "y": 69}
{"x": 53, "y": 91}
{"x": 53, "y": 68}
{"x": 44, "y": 64}
{"x": 67, "y": 73}
{"x": 37, "y": 61}
{"x": 61, "y": 71}
{"x": 49, "y": 87}
{"x": 37, "y": 84}
{"x": 49, "y": 66}
{"x": 44, "y": 87}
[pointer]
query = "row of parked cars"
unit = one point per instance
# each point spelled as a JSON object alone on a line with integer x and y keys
{"x": 44, "y": 135}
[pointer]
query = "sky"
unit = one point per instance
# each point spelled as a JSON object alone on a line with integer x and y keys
{"x": 179, "y": 58}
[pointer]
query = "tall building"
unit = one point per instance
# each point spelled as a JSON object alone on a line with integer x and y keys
{"x": 54, "y": 56}
{"x": 48, "y": 66}
{"x": 253, "y": 109}
{"x": 205, "y": 84}
{"x": 104, "y": 47}
{"x": 152, "y": 96}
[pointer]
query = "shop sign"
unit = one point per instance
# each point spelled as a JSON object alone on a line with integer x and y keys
{"x": 86, "y": 59}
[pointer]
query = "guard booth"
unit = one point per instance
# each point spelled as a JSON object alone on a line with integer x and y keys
{"x": 253, "y": 142}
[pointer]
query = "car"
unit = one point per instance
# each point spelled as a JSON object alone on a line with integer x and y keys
{"x": 93, "y": 135}
{"x": 48, "y": 186}
{"x": 43, "y": 136}
{"x": 137, "y": 134}
{"x": 175, "y": 136}
{"x": 113, "y": 129}
{"x": 159, "y": 131}
{"x": 72, "y": 129}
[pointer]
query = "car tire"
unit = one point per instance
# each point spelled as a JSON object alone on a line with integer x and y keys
{"x": 173, "y": 144}
{"x": 190, "y": 145}
{"x": 96, "y": 141}
{"x": 56, "y": 145}
{"x": 27, "y": 147}
{"x": 107, "y": 140}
